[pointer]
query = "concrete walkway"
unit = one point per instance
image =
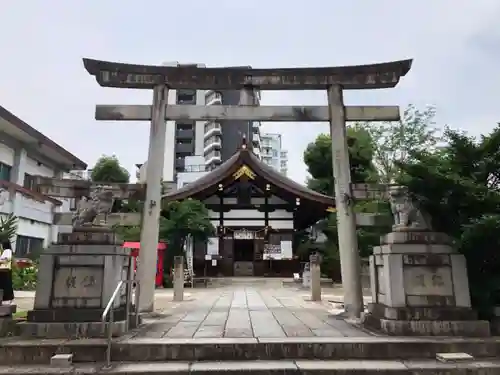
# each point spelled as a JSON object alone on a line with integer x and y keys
{"x": 245, "y": 312}
{"x": 256, "y": 310}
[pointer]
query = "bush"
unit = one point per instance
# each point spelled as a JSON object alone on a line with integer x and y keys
{"x": 24, "y": 278}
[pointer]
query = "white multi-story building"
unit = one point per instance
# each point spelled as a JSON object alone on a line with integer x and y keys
{"x": 24, "y": 154}
{"x": 195, "y": 168}
{"x": 78, "y": 175}
{"x": 272, "y": 152}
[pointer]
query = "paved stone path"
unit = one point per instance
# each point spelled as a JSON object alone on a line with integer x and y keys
{"x": 244, "y": 312}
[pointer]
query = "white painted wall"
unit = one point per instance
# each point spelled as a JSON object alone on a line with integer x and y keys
{"x": 168, "y": 165}
{"x": 34, "y": 218}
{"x": 231, "y": 219}
{"x": 199, "y": 127}
{"x": 191, "y": 165}
{"x": 6, "y": 154}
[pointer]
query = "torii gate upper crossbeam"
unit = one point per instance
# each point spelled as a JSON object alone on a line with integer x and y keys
{"x": 355, "y": 77}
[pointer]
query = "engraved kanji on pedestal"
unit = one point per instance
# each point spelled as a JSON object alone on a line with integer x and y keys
{"x": 78, "y": 275}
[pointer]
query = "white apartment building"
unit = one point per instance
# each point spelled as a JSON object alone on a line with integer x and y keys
{"x": 272, "y": 152}
{"x": 24, "y": 154}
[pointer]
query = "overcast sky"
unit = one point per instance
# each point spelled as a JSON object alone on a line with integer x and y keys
{"x": 455, "y": 45}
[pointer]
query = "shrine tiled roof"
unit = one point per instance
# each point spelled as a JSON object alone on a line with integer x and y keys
{"x": 246, "y": 157}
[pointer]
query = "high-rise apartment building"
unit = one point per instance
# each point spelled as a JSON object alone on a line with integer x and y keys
{"x": 223, "y": 138}
{"x": 272, "y": 152}
{"x": 183, "y": 138}
{"x": 214, "y": 141}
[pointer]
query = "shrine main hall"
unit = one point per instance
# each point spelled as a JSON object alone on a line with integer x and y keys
{"x": 256, "y": 212}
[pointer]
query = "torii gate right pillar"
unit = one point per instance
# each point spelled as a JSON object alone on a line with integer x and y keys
{"x": 346, "y": 220}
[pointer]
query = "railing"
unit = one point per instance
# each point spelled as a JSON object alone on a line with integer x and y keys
{"x": 195, "y": 168}
{"x": 128, "y": 299}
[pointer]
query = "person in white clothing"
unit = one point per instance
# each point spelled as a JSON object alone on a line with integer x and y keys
{"x": 6, "y": 271}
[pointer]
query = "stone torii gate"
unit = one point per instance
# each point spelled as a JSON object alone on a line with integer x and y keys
{"x": 333, "y": 79}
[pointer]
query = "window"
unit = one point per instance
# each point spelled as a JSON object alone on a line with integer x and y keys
{"x": 5, "y": 172}
{"x": 29, "y": 181}
{"x": 27, "y": 245}
{"x": 186, "y": 96}
{"x": 275, "y": 153}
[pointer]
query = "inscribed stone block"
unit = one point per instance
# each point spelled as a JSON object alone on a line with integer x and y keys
{"x": 426, "y": 281}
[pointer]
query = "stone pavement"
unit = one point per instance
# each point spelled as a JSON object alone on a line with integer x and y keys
{"x": 244, "y": 312}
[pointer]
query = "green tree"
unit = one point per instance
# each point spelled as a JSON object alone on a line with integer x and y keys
{"x": 318, "y": 158}
{"x": 129, "y": 234}
{"x": 180, "y": 220}
{"x": 8, "y": 227}
{"x": 459, "y": 186}
{"x": 109, "y": 169}
{"x": 396, "y": 142}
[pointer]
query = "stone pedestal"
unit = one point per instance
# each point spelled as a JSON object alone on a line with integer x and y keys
{"x": 420, "y": 288}
{"x": 6, "y": 321}
{"x": 495, "y": 321}
{"x": 76, "y": 279}
{"x": 315, "y": 269}
{"x": 178, "y": 278}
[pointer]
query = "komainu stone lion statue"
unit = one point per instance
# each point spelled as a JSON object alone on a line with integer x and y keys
{"x": 100, "y": 201}
{"x": 407, "y": 216}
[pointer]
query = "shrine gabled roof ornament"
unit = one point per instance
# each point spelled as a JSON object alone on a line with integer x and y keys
{"x": 246, "y": 163}
{"x": 244, "y": 171}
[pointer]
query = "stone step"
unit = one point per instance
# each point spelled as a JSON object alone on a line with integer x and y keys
{"x": 17, "y": 352}
{"x": 285, "y": 367}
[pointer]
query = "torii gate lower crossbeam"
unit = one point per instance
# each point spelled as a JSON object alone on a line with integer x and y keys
{"x": 335, "y": 80}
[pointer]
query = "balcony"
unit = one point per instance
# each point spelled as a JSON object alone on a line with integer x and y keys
{"x": 256, "y": 151}
{"x": 213, "y": 98}
{"x": 184, "y": 148}
{"x": 256, "y": 138}
{"x": 186, "y": 96}
{"x": 34, "y": 210}
{"x": 195, "y": 168}
{"x": 212, "y": 128}
{"x": 184, "y": 134}
{"x": 213, "y": 157}
{"x": 211, "y": 143}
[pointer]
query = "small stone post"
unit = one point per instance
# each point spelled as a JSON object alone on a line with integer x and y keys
{"x": 315, "y": 285}
{"x": 178, "y": 278}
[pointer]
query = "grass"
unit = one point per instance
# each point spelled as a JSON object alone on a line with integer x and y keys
{"x": 20, "y": 315}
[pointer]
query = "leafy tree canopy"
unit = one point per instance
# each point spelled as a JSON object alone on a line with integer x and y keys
{"x": 180, "y": 220}
{"x": 459, "y": 186}
{"x": 8, "y": 227}
{"x": 109, "y": 169}
{"x": 396, "y": 142}
{"x": 318, "y": 158}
